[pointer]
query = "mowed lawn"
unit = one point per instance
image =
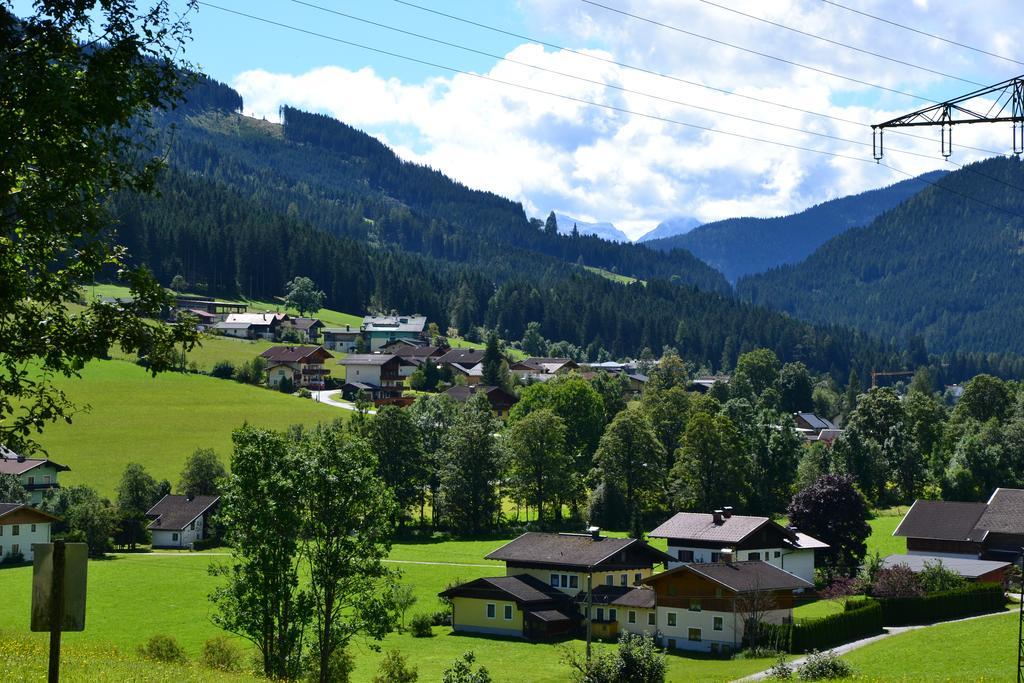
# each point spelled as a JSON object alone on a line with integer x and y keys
{"x": 881, "y": 540}
{"x": 978, "y": 649}
{"x": 159, "y": 421}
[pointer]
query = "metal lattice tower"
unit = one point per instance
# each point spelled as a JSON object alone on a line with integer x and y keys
{"x": 1007, "y": 108}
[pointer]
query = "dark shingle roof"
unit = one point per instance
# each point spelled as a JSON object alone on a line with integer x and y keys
{"x": 496, "y": 395}
{"x": 463, "y": 356}
{"x": 175, "y": 512}
{"x": 1004, "y": 513}
{"x": 638, "y": 597}
{"x": 699, "y": 526}
{"x": 740, "y": 577}
{"x": 942, "y": 520}
{"x": 366, "y": 359}
{"x": 967, "y": 568}
{"x": 523, "y": 588}
{"x": 816, "y": 422}
{"x": 620, "y": 596}
{"x": 571, "y": 550}
{"x": 306, "y": 323}
{"x": 9, "y": 507}
{"x": 12, "y": 463}
{"x": 551, "y": 615}
{"x": 294, "y": 354}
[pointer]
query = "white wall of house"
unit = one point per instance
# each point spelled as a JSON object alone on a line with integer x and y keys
{"x": 798, "y": 562}
{"x": 643, "y": 620}
{"x": 178, "y": 538}
{"x": 280, "y": 372}
{"x": 571, "y": 583}
{"x": 704, "y": 630}
{"x": 20, "y": 537}
{"x": 367, "y": 374}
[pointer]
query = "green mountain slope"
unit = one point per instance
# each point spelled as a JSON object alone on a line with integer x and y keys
{"x": 743, "y": 246}
{"x": 940, "y": 265}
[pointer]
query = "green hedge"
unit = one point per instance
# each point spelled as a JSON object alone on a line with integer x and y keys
{"x": 862, "y": 618}
{"x": 976, "y": 598}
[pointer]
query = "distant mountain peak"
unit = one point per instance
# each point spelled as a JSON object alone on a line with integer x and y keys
{"x": 604, "y": 230}
{"x": 677, "y": 225}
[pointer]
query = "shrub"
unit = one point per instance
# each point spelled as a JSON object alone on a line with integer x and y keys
{"x": 461, "y": 671}
{"x": 975, "y": 598}
{"x": 935, "y": 578}
{"x": 161, "y": 648}
{"x": 823, "y": 666}
{"x": 394, "y": 668}
{"x": 205, "y": 543}
{"x": 441, "y": 618}
{"x": 897, "y": 582}
{"x": 861, "y": 618}
{"x": 13, "y": 558}
{"x": 340, "y": 666}
{"x": 780, "y": 670}
{"x": 225, "y": 369}
{"x": 420, "y": 626}
{"x": 221, "y": 654}
{"x": 305, "y": 393}
{"x": 286, "y": 385}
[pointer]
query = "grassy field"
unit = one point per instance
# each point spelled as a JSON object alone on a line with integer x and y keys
{"x": 983, "y": 649}
{"x": 881, "y": 540}
{"x": 614, "y": 277}
{"x": 159, "y": 421}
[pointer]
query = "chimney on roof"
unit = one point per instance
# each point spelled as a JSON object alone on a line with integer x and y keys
{"x": 595, "y": 532}
{"x": 727, "y": 511}
{"x": 725, "y": 556}
{"x": 21, "y": 458}
{"x": 717, "y": 516}
{"x": 189, "y": 497}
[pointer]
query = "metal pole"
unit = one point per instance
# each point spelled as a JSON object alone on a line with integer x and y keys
{"x": 56, "y": 610}
{"x": 1020, "y": 626}
{"x": 590, "y": 609}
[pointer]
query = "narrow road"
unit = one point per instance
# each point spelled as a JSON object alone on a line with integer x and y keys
{"x": 332, "y": 398}
{"x": 857, "y": 644}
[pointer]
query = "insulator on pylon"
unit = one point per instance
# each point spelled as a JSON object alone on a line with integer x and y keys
{"x": 876, "y": 143}
{"x": 1018, "y": 137}
{"x": 947, "y": 140}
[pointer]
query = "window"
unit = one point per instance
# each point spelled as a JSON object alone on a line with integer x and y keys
{"x": 631, "y": 616}
{"x": 624, "y": 580}
{"x": 693, "y": 634}
{"x": 31, "y": 481}
{"x": 554, "y": 580}
{"x": 637, "y": 578}
{"x": 686, "y": 556}
{"x": 609, "y": 580}
{"x": 754, "y": 556}
{"x": 652, "y": 619}
{"x": 574, "y": 581}
{"x": 716, "y": 623}
{"x": 715, "y": 556}
{"x": 46, "y": 479}
{"x": 490, "y": 610}
{"x": 33, "y": 528}
{"x": 600, "y": 613}
{"x": 694, "y": 605}
{"x": 15, "y": 529}
{"x": 192, "y": 525}
{"x": 508, "y": 612}
{"x": 1, "y": 530}
{"x": 174, "y": 537}
{"x": 671, "y": 619}
{"x": 778, "y": 554}
{"x": 612, "y": 615}
{"x": 15, "y": 549}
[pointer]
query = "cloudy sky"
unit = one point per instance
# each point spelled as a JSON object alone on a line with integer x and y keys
{"x": 584, "y": 136}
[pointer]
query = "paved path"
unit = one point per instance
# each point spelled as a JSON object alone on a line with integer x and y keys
{"x": 203, "y": 554}
{"x": 332, "y": 398}
{"x": 857, "y": 644}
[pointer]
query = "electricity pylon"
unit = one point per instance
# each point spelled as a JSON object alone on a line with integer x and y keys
{"x": 1007, "y": 108}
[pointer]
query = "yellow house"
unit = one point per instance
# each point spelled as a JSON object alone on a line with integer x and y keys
{"x": 511, "y": 606}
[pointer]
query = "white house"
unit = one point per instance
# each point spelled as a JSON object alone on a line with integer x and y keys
{"x": 701, "y": 537}
{"x": 180, "y": 521}
{"x": 37, "y": 475}
{"x": 20, "y": 527}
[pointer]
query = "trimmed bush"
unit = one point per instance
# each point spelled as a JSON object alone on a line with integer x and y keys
{"x": 823, "y": 666}
{"x": 161, "y": 648}
{"x": 225, "y": 369}
{"x": 975, "y": 598}
{"x": 221, "y": 654}
{"x": 205, "y": 543}
{"x": 420, "y": 626}
{"x": 861, "y": 619}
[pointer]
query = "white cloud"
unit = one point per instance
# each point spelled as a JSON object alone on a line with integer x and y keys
{"x": 555, "y": 153}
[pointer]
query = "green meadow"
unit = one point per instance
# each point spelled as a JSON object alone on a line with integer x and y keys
{"x": 130, "y": 416}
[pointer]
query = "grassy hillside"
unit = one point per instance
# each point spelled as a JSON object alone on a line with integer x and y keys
{"x": 159, "y": 421}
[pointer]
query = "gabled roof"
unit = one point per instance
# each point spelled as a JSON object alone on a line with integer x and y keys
{"x": 296, "y": 354}
{"x": 496, "y": 395}
{"x": 463, "y": 356}
{"x": 13, "y": 463}
{"x": 37, "y": 515}
{"x": 814, "y": 421}
{"x": 942, "y": 520}
{"x": 804, "y": 541}
{"x": 255, "y": 318}
{"x": 579, "y": 551}
{"x": 700, "y": 526}
{"x": 469, "y": 370}
{"x": 305, "y": 323}
{"x": 1004, "y": 513}
{"x": 368, "y": 359}
{"x": 620, "y": 596}
{"x": 406, "y": 349}
{"x": 967, "y": 568}
{"x": 739, "y": 577}
{"x": 521, "y": 588}
{"x": 341, "y": 330}
{"x": 174, "y": 513}
{"x": 394, "y": 323}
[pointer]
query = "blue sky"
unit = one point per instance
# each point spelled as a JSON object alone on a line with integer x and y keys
{"x": 597, "y": 164}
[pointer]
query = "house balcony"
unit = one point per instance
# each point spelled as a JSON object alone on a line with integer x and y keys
{"x": 315, "y": 372}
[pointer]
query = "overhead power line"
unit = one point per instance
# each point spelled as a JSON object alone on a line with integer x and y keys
{"x": 783, "y": 60}
{"x": 600, "y": 105}
{"x": 838, "y": 43}
{"x": 923, "y": 33}
{"x": 659, "y": 74}
{"x": 604, "y": 84}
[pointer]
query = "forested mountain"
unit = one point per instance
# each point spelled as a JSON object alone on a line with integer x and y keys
{"x": 941, "y": 265}
{"x": 743, "y": 246}
{"x": 679, "y": 225}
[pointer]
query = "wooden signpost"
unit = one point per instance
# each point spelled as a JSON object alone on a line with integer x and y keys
{"x": 58, "y": 593}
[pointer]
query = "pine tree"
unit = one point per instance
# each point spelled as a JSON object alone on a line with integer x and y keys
{"x": 551, "y": 224}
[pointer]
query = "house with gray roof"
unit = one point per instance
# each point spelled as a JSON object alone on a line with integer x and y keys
{"x": 180, "y": 521}
{"x": 38, "y": 476}
{"x": 695, "y": 537}
{"x": 520, "y": 606}
{"x": 381, "y": 330}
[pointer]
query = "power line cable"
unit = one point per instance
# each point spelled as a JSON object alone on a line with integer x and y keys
{"x": 923, "y": 33}
{"x": 683, "y": 31}
{"x": 840, "y": 44}
{"x": 580, "y": 100}
{"x": 640, "y": 69}
{"x": 612, "y": 86}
